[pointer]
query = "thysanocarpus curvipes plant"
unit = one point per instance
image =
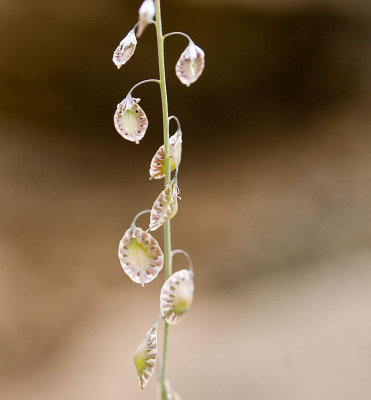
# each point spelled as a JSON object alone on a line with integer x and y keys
{"x": 140, "y": 254}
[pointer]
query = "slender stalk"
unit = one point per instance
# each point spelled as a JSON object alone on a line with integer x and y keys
{"x": 141, "y": 83}
{"x": 135, "y": 220}
{"x": 167, "y": 231}
{"x": 179, "y": 33}
{"x": 176, "y": 120}
{"x": 190, "y": 264}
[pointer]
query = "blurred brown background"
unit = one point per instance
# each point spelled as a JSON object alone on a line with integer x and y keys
{"x": 275, "y": 210}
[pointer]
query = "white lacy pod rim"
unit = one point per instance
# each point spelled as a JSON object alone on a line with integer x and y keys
{"x": 176, "y": 296}
{"x": 190, "y": 64}
{"x": 165, "y": 207}
{"x": 140, "y": 255}
{"x": 171, "y": 394}
{"x": 125, "y": 49}
{"x": 147, "y": 12}
{"x": 145, "y": 357}
{"x": 157, "y": 168}
{"x": 130, "y": 120}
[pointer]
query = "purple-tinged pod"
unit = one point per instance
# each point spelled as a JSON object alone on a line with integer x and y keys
{"x": 125, "y": 49}
{"x": 147, "y": 12}
{"x": 165, "y": 207}
{"x": 157, "y": 168}
{"x": 145, "y": 357}
{"x": 130, "y": 120}
{"x": 190, "y": 64}
{"x": 176, "y": 296}
{"x": 140, "y": 256}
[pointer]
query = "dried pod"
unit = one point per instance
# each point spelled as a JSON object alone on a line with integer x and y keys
{"x": 165, "y": 207}
{"x": 171, "y": 394}
{"x": 140, "y": 255}
{"x": 145, "y": 356}
{"x": 157, "y": 168}
{"x": 176, "y": 296}
{"x": 147, "y": 12}
{"x": 125, "y": 49}
{"x": 190, "y": 64}
{"x": 130, "y": 120}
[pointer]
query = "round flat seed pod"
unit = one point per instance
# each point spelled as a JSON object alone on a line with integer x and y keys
{"x": 130, "y": 120}
{"x": 145, "y": 357}
{"x": 125, "y": 50}
{"x": 190, "y": 64}
{"x": 157, "y": 168}
{"x": 140, "y": 256}
{"x": 176, "y": 296}
{"x": 165, "y": 207}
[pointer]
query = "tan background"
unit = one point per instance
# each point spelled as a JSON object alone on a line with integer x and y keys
{"x": 275, "y": 210}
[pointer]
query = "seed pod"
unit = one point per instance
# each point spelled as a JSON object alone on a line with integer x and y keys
{"x": 190, "y": 64}
{"x": 145, "y": 357}
{"x": 147, "y": 12}
{"x": 165, "y": 207}
{"x": 130, "y": 120}
{"x": 171, "y": 394}
{"x": 140, "y": 256}
{"x": 125, "y": 49}
{"x": 176, "y": 296}
{"x": 157, "y": 168}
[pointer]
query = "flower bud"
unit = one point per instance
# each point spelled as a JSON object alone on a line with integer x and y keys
{"x": 190, "y": 64}
{"x": 130, "y": 120}
{"x": 125, "y": 49}
{"x": 147, "y": 12}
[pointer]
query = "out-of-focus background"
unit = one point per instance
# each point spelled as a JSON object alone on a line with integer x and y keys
{"x": 276, "y": 200}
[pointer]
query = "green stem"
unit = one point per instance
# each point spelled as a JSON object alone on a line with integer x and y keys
{"x": 167, "y": 232}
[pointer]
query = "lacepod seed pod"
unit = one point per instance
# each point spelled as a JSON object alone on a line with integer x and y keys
{"x": 147, "y": 12}
{"x": 176, "y": 296}
{"x": 190, "y": 64}
{"x": 145, "y": 357}
{"x": 165, "y": 207}
{"x": 157, "y": 168}
{"x": 140, "y": 255}
{"x": 130, "y": 120}
{"x": 125, "y": 49}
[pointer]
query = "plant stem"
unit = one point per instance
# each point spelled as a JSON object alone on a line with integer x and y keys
{"x": 167, "y": 232}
